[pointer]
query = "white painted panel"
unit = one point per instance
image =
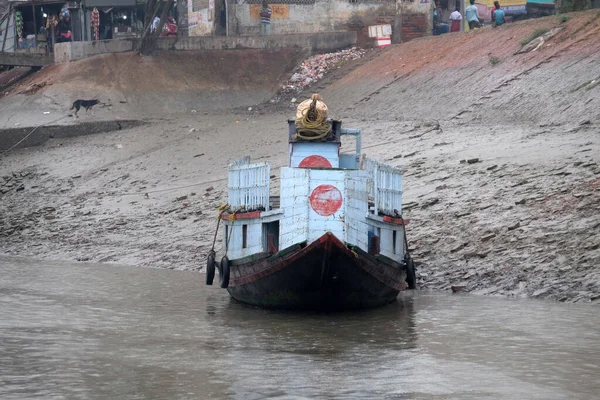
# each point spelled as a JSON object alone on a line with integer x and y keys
{"x": 320, "y": 224}
{"x": 294, "y": 203}
{"x": 301, "y": 221}
{"x": 254, "y": 239}
{"x": 356, "y": 208}
{"x": 299, "y": 151}
{"x": 377, "y": 31}
{"x": 386, "y": 236}
{"x": 349, "y": 161}
{"x": 387, "y": 242}
{"x": 249, "y": 186}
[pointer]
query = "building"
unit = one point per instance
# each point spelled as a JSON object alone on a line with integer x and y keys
{"x": 26, "y": 28}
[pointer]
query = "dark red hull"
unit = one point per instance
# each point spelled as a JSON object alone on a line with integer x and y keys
{"x": 325, "y": 275}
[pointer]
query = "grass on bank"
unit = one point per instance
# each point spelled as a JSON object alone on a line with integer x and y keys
{"x": 536, "y": 34}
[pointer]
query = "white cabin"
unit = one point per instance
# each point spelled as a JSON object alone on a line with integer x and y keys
{"x": 357, "y": 199}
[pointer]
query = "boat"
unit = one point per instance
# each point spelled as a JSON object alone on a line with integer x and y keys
{"x": 334, "y": 239}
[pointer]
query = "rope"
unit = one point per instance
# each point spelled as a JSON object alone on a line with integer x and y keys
{"x": 318, "y": 134}
{"x": 406, "y": 253}
{"x": 232, "y": 220}
{"x": 222, "y": 210}
{"x": 312, "y": 125}
{"x": 31, "y": 133}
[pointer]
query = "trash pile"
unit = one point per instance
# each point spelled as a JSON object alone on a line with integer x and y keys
{"x": 314, "y": 68}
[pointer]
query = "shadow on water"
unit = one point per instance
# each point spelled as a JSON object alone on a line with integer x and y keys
{"x": 391, "y": 327}
{"x": 310, "y": 354}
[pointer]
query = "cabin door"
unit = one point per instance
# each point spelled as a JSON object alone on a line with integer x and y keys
{"x": 271, "y": 237}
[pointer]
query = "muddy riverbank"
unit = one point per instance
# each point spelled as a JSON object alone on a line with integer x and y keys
{"x": 499, "y": 210}
{"x": 501, "y": 184}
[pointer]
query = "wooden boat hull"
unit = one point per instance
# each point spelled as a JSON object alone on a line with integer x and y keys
{"x": 325, "y": 275}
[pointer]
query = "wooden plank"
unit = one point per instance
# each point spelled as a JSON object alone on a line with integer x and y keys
{"x": 251, "y": 259}
{"x": 248, "y": 215}
{"x": 388, "y": 261}
{"x": 397, "y": 221}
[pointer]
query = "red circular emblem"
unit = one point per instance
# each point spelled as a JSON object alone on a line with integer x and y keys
{"x": 325, "y": 200}
{"x": 315, "y": 162}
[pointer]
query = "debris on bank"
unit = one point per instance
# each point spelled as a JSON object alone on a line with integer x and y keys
{"x": 314, "y": 69}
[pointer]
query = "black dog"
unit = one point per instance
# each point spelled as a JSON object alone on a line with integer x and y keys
{"x": 87, "y": 104}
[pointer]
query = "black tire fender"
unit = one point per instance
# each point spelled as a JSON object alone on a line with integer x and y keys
{"x": 411, "y": 274}
{"x": 210, "y": 267}
{"x": 224, "y": 272}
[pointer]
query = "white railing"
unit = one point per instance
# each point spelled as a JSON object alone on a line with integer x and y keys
{"x": 241, "y": 161}
{"x": 248, "y": 185}
{"x": 385, "y": 186}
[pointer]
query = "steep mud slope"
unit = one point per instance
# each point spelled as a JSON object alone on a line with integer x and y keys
{"x": 477, "y": 76}
{"x": 165, "y": 83}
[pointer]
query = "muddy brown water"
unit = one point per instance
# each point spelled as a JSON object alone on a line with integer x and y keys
{"x": 100, "y": 331}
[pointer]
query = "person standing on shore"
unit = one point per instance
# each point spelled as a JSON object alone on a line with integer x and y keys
{"x": 498, "y": 15}
{"x": 472, "y": 15}
{"x": 265, "y": 18}
{"x": 456, "y": 19}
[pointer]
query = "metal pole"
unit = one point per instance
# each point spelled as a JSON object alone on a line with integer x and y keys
{"x": 357, "y": 134}
{"x": 226, "y": 18}
{"x": 34, "y": 25}
{"x": 53, "y": 34}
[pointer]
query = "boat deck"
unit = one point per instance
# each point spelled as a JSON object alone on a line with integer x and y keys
{"x": 275, "y": 202}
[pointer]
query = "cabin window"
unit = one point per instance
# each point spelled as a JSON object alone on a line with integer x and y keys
{"x": 244, "y": 236}
{"x": 394, "y": 241}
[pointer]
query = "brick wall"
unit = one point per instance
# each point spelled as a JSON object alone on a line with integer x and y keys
{"x": 413, "y": 26}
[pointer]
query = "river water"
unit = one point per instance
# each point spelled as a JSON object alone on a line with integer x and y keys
{"x": 89, "y": 331}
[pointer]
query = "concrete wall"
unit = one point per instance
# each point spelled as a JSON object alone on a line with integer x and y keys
{"x": 326, "y": 41}
{"x": 25, "y": 59}
{"x": 65, "y": 52}
{"x": 321, "y": 16}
